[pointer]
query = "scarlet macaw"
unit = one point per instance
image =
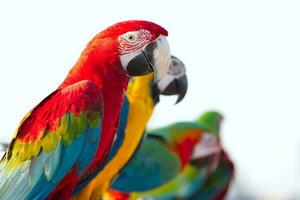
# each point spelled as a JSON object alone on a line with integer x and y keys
{"x": 68, "y": 135}
{"x": 141, "y": 97}
{"x": 175, "y": 162}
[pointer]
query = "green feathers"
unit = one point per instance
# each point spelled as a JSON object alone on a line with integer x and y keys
{"x": 211, "y": 121}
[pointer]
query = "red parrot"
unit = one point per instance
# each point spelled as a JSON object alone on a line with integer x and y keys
{"x": 69, "y": 134}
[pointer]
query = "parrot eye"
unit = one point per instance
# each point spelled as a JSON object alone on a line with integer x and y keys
{"x": 133, "y": 40}
{"x": 131, "y": 37}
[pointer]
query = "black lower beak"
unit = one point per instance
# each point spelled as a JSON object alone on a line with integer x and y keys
{"x": 177, "y": 87}
{"x": 139, "y": 65}
{"x": 201, "y": 162}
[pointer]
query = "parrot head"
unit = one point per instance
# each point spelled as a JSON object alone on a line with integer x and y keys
{"x": 211, "y": 120}
{"x": 173, "y": 83}
{"x": 210, "y": 142}
{"x": 141, "y": 47}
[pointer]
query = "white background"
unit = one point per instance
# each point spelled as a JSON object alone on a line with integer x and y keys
{"x": 242, "y": 59}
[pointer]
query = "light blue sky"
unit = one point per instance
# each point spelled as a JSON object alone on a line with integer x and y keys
{"x": 242, "y": 58}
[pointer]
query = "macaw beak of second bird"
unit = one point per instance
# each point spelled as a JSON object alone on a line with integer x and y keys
{"x": 204, "y": 150}
{"x": 175, "y": 81}
{"x": 154, "y": 57}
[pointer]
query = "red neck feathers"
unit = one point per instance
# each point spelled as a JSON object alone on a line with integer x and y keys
{"x": 184, "y": 146}
{"x": 100, "y": 63}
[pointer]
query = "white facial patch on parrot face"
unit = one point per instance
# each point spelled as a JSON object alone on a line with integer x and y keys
{"x": 208, "y": 145}
{"x": 131, "y": 44}
{"x": 133, "y": 41}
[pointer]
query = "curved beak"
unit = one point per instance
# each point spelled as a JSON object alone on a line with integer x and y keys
{"x": 155, "y": 57}
{"x": 204, "y": 150}
{"x": 177, "y": 87}
{"x": 175, "y": 82}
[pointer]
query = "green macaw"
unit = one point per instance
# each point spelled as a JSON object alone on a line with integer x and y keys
{"x": 175, "y": 162}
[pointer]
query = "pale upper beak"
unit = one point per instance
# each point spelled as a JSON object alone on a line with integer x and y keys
{"x": 154, "y": 57}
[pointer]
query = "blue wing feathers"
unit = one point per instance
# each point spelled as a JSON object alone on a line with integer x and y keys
{"x": 89, "y": 149}
{"x": 52, "y": 162}
{"x": 116, "y": 145}
{"x": 121, "y": 130}
{"x": 38, "y": 177}
{"x": 154, "y": 172}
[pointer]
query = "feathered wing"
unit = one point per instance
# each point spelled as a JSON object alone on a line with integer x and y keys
{"x": 158, "y": 159}
{"x": 59, "y": 135}
{"x": 148, "y": 164}
{"x": 119, "y": 138}
{"x": 184, "y": 186}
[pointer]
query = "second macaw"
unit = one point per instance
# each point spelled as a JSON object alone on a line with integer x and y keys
{"x": 170, "y": 163}
{"x": 141, "y": 97}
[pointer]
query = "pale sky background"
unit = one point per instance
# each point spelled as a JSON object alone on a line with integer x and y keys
{"x": 242, "y": 59}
